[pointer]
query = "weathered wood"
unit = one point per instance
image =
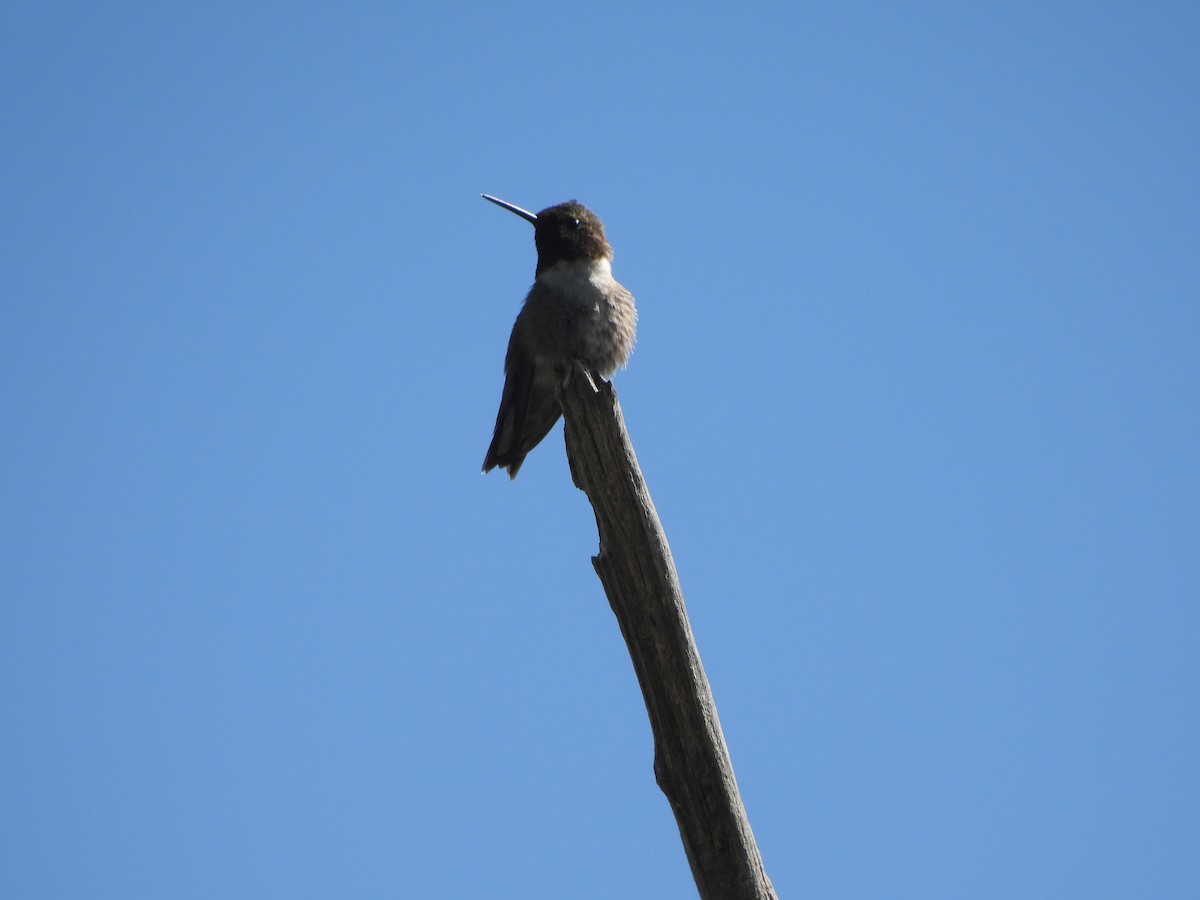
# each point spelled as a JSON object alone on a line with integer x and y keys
{"x": 691, "y": 762}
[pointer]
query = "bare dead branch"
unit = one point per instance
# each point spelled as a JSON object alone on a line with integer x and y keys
{"x": 691, "y": 762}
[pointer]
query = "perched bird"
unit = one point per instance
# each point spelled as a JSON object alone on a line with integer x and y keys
{"x": 575, "y": 311}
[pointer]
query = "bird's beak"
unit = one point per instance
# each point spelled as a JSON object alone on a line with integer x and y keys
{"x": 523, "y": 213}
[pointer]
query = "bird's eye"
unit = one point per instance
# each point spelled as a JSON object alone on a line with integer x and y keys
{"x": 577, "y": 223}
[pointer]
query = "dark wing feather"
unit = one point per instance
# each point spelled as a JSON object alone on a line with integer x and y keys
{"x": 514, "y": 408}
{"x": 528, "y": 410}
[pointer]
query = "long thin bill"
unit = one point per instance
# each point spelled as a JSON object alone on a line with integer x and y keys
{"x": 523, "y": 213}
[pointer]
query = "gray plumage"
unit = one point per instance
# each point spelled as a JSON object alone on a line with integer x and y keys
{"x": 574, "y": 311}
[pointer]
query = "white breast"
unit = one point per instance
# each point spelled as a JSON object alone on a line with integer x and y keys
{"x": 586, "y": 282}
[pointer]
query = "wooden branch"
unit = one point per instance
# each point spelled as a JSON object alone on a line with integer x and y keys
{"x": 691, "y": 762}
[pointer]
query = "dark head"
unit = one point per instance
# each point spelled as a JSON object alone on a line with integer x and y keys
{"x": 568, "y": 232}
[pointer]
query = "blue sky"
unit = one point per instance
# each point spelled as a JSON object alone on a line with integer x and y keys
{"x": 915, "y": 394}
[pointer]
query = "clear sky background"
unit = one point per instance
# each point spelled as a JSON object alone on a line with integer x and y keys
{"x": 916, "y": 393}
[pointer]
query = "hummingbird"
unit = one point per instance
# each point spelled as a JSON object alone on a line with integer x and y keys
{"x": 575, "y": 311}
